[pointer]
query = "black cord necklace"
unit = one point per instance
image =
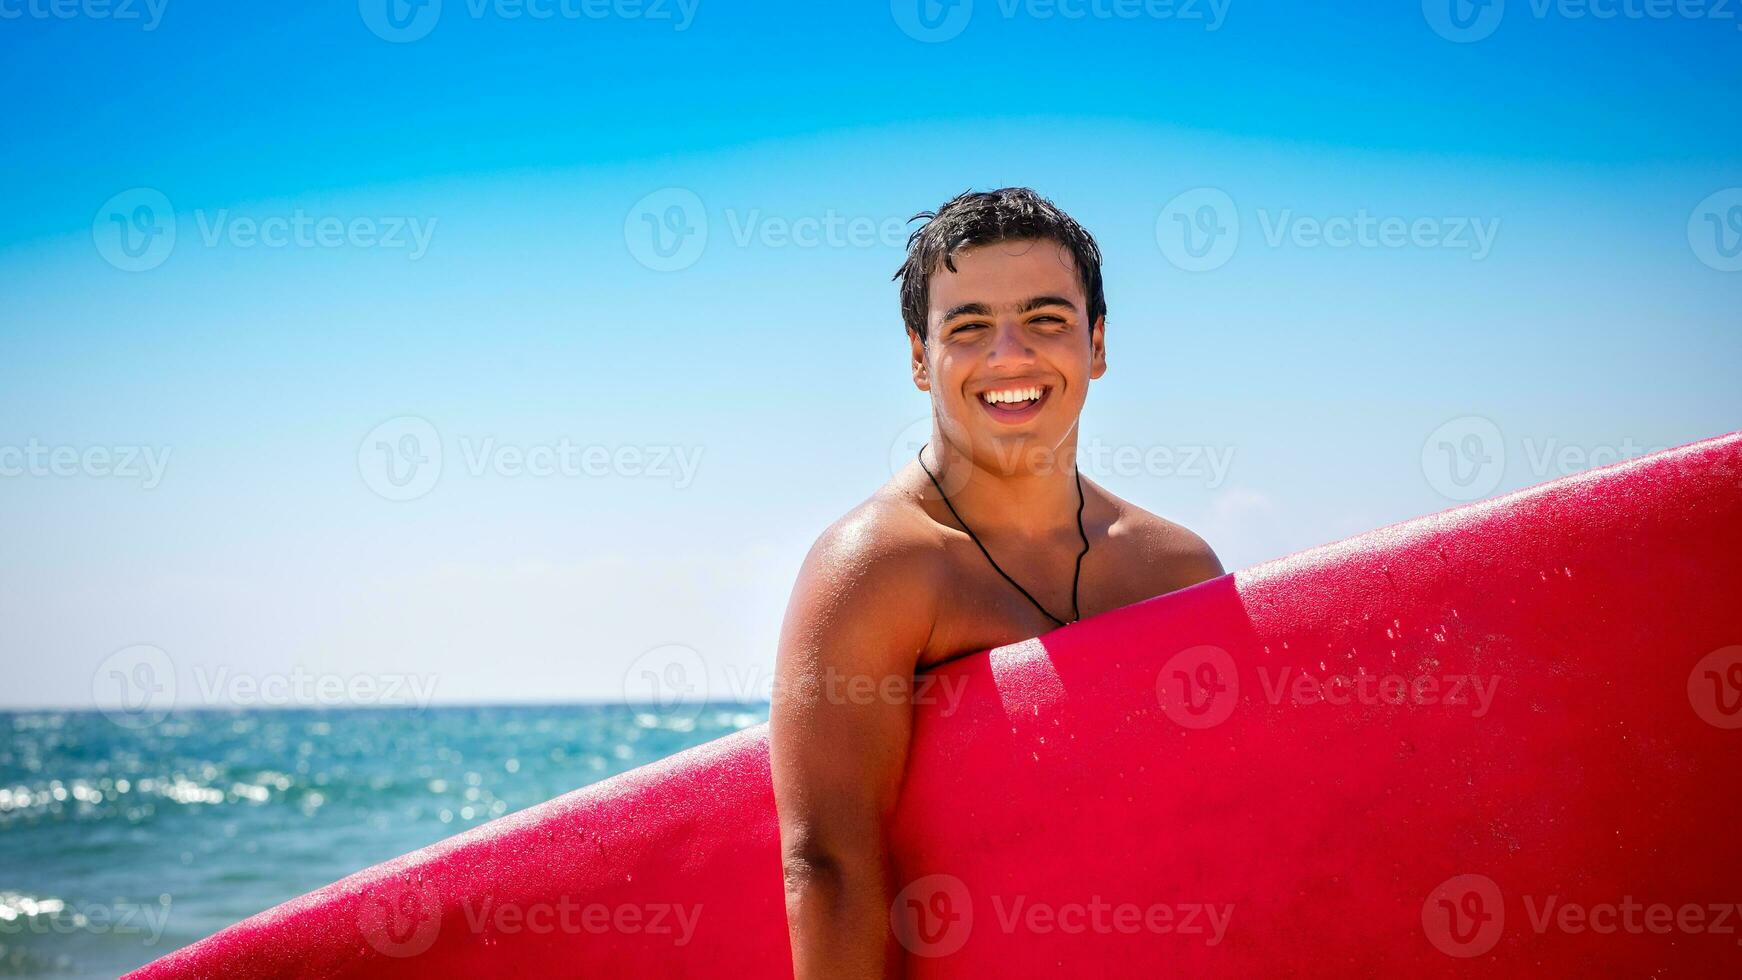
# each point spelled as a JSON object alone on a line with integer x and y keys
{"x": 1076, "y": 614}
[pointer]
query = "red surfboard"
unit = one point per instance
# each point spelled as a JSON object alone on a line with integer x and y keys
{"x": 1504, "y": 740}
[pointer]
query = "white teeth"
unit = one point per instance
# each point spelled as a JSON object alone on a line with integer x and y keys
{"x": 1011, "y": 395}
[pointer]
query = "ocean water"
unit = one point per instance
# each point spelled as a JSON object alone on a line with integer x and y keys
{"x": 118, "y": 845}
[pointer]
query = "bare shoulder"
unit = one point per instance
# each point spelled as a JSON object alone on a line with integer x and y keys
{"x": 878, "y": 565}
{"x": 1176, "y": 553}
{"x": 885, "y": 536}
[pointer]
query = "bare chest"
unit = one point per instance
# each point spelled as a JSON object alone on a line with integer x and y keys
{"x": 978, "y": 608}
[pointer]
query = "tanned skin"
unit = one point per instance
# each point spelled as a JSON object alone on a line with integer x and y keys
{"x": 896, "y": 585}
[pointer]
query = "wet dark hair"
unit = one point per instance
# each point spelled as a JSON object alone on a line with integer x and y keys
{"x": 981, "y": 218}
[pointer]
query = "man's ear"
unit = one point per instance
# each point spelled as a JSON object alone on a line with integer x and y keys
{"x": 921, "y": 377}
{"x": 1098, "y": 347}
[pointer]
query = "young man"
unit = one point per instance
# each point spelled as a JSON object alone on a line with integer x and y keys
{"x": 988, "y": 537}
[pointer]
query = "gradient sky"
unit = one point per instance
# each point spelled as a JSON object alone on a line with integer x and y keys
{"x": 1600, "y": 316}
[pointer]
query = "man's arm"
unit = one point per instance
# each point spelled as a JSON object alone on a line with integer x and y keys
{"x": 859, "y": 617}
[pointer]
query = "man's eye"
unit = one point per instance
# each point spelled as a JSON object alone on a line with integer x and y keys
{"x": 967, "y": 326}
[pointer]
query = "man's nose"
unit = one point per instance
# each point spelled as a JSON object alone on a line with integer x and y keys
{"x": 1010, "y": 343}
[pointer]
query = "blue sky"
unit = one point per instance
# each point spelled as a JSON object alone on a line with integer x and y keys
{"x": 1560, "y": 287}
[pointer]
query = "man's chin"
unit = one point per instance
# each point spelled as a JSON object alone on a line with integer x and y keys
{"x": 1015, "y": 453}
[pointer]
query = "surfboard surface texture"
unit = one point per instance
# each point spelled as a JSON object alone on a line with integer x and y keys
{"x": 1503, "y": 740}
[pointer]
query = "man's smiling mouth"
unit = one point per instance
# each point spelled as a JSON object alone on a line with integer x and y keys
{"x": 1014, "y": 404}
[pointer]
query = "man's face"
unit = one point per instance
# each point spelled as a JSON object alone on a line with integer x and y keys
{"x": 1010, "y": 319}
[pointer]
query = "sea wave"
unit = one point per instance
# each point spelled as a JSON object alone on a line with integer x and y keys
{"x": 212, "y": 816}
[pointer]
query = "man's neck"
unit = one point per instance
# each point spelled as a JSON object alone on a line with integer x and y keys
{"x": 1029, "y": 493}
